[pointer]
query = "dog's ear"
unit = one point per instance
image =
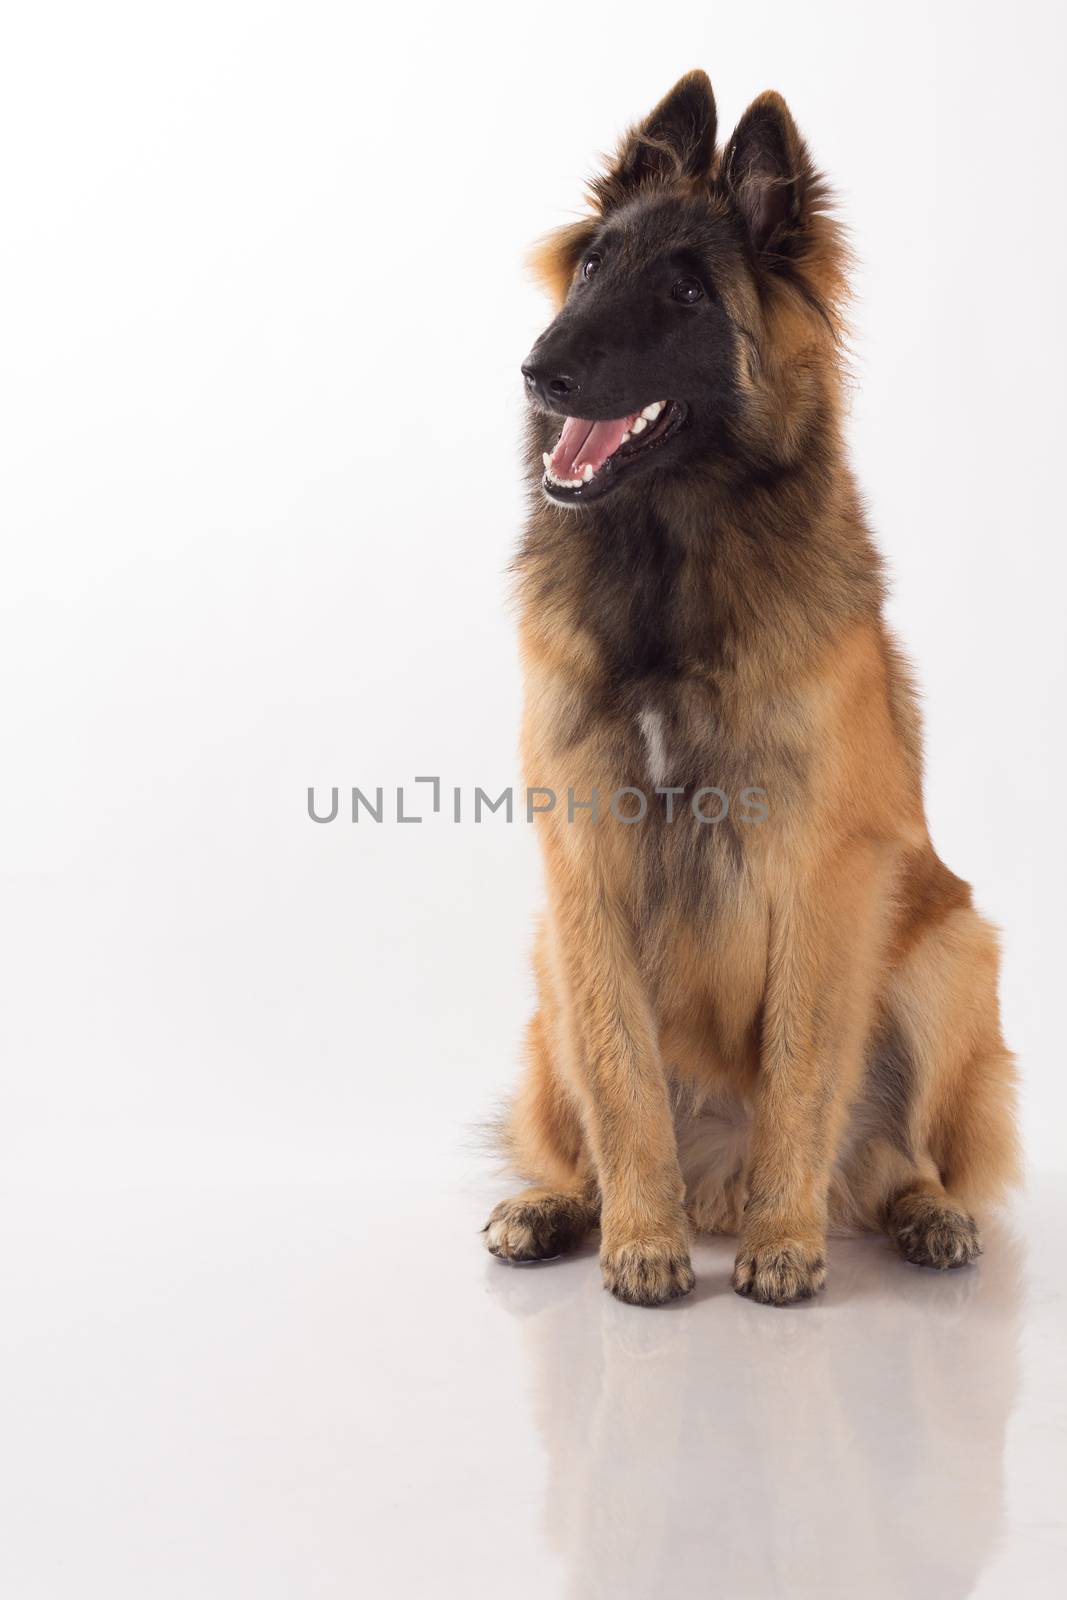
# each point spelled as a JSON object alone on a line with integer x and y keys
{"x": 769, "y": 175}
{"x": 676, "y": 140}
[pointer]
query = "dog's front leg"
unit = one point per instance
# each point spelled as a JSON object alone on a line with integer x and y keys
{"x": 612, "y": 1058}
{"x": 824, "y": 956}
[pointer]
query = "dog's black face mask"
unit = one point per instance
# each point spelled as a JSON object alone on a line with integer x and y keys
{"x": 641, "y": 370}
{"x": 641, "y": 360}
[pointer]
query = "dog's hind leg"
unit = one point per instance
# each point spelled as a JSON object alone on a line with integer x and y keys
{"x": 538, "y": 1224}
{"x": 968, "y": 1158}
{"x": 544, "y": 1141}
{"x": 940, "y": 1098}
{"x": 929, "y": 1229}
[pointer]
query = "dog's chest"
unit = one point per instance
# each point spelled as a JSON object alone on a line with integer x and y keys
{"x": 674, "y": 738}
{"x": 653, "y": 727}
{"x": 688, "y": 738}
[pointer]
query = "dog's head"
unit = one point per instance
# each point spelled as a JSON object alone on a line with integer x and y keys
{"x": 699, "y": 304}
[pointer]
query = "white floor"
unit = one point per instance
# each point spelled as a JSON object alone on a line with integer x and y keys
{"x": 286, "y": 1393}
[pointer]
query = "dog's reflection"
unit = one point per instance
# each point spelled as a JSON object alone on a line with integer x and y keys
{"x": 851, "y": 1446}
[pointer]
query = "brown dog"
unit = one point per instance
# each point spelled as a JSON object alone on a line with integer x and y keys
{"x": 766, "y": 1006}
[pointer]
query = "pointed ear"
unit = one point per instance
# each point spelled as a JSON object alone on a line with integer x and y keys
{"x": 769, "y": 174}
{"x": 676, "y": 140}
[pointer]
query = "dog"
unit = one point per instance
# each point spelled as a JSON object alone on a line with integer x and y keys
{"x": 765, "y": 1006}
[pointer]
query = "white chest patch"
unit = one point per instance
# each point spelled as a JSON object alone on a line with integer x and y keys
{"x": 653, "y": 732}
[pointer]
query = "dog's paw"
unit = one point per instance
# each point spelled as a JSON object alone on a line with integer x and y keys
{"x": 647, "y": 1272}
{"x": 932, "y": 1233}
{"x": 536, "y": 1229}
{"x": 779, "y": 1274}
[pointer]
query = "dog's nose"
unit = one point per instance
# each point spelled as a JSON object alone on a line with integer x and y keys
{"x": 548, "y": 384}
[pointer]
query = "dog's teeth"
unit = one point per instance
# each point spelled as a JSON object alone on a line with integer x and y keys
{"x": 625, "y": 436}
{"x": 650, "y": 413}
{"x": 564, "y": 483}
{"x": 639, "y": 425}
{"x": 547, "y": 459}
{"x": 587, "y": 474}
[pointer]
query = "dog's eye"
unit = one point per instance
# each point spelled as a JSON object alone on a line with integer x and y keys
{"x": 688, "y": 291}
{"x": 591, "y": 266}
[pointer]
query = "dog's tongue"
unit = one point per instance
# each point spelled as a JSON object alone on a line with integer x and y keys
{"x": 586, "y": 444}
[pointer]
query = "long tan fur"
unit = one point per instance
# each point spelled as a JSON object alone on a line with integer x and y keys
{"x": 785, "y": 1022}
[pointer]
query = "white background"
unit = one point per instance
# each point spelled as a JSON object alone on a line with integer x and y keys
{"x": 262, "y": 316}
{"x": 263, "y": 313}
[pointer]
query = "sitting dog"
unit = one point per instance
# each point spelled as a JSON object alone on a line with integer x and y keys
{"x": 765, "y": 1005}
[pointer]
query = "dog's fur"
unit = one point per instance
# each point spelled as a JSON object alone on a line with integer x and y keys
{"x": 771, "y": 1027}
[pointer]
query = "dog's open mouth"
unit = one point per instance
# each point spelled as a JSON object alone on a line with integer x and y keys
{"x": 590, "y": 456}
